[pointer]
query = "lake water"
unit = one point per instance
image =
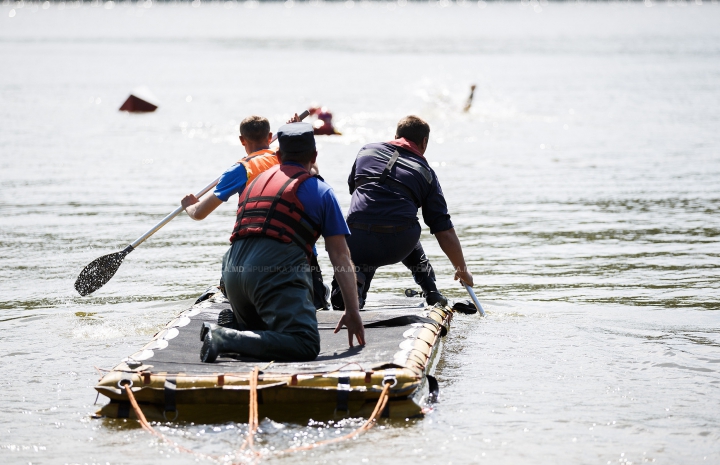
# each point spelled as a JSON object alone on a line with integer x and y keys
{"x": 583, "y": 184}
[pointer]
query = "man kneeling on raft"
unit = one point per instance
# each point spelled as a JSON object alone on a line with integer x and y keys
{"x": 255, "y": 136}
{"x": 266, "y": 272}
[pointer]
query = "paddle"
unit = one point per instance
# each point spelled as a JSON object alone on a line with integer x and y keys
{"x": 474, "y": 298}
{"x": 101, "y": 270}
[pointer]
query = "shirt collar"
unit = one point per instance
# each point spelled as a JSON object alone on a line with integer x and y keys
{"x": 407, "y": 145}
{"x": 293, "y": 163}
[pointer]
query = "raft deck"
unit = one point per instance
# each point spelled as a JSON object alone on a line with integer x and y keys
{"x": 170, "y": 382}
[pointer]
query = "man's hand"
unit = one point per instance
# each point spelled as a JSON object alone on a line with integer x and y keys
{"x": 188, "y": 200}
{"x": 200, "y": 209}
{"x": 464, "y": 276}
{"x": 294, "y": 119}
{"x": 354, "y": 325}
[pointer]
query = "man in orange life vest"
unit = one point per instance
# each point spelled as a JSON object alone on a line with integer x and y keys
{"x": 255, "y": 136}
{"x": 282, "y": 213}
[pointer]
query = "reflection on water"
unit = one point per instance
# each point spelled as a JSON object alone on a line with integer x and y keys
{"x": 582, "y": 183}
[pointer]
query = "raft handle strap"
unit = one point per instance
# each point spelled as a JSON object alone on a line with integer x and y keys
{"x": 343, "y": 394}
{"x": 170, "y": 392}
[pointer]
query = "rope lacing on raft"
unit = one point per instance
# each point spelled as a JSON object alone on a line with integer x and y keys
{"x": 253, "y": 422}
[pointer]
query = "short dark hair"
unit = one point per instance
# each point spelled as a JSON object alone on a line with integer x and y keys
{"x": 255, "y": 128}
{"x": 299, "y": 157}
{"x": 413, "y": 129}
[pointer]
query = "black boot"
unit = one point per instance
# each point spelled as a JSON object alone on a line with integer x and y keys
{"x": 218, "y": 340}
{"x": 425, "y": 277}
{"x": 434, "y": 297}
{"x": 320, "y": 289}
{"x": 226, "y": 319}
{"x": 222, "y": 287}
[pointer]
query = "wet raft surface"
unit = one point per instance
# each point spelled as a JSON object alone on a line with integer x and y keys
{"x": 183, "y": 351}
{"x": 168, "y": 372}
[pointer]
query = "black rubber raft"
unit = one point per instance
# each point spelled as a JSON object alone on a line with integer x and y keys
{"x": 404, "y": 340}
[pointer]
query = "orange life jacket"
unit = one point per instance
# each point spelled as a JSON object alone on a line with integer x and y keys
{"x": 257, "y": 162}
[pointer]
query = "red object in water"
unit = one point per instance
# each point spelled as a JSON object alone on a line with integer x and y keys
{"x": 323, "y": 126}
{"x": 137, "y": 105}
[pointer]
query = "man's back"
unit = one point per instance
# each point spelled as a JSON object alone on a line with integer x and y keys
{"x": 389, "y": 190}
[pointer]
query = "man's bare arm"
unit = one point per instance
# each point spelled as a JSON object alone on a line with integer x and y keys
{"x": 450, "y": 244}
{"x": 200, "y": 209}
{"x": 345, "y": 275}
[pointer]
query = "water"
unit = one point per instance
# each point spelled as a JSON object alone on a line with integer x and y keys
{"x": 583, "y": 185}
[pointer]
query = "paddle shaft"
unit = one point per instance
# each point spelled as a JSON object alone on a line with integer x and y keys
{"x": 180, "y": 209}
{"x": 172, "y": 215}
{"x": 474, "y": 299}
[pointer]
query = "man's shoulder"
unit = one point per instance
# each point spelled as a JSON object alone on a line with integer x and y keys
{"x": 389, "y": 148}
{"x": 234, "y": 170}
{"x": 318, "y": 185}
{"x": 384, "y": 146}
{"x": 261, "y": 158}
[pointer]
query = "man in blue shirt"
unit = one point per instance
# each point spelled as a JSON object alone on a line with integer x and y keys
{"x": 266, "y": 271}
{"x": 255, "y": 136}
{"x": 389, "y": 182}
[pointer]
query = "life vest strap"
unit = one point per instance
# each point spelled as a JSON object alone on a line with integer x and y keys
{"x": 389, "y": 166}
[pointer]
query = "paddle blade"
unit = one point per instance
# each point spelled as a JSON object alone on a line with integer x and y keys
{"x": 465, "y": 306}
{"x": 99, "y": 272}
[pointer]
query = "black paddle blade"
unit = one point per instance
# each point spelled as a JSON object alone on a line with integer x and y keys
{"x": 99, "y": 272}
{"x": 464, "y": 306}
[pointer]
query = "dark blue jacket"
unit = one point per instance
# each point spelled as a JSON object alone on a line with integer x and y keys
{"x": 394, "y": 200}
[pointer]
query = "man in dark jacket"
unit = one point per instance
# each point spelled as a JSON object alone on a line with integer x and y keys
{"x": 389, "y": 182}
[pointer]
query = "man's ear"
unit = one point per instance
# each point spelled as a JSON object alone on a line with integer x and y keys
{"x": 243, "y": 141}
{"x": 424, "y": 145}
{"x": 269, "y": 138}
{"x": 314, "y": 158}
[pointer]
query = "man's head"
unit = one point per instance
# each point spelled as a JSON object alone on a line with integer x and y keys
{"x": 255, "y": 133}
{"x": 297, "y": 143}
{"x": 415, "y": 130}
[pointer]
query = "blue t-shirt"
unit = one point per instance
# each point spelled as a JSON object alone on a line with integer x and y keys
{"x": 231, "y": 182}
{"x": 320, "y": 204}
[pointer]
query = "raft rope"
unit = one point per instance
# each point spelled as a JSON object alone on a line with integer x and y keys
{"x": 148, "y": 427}
{"x": 253, "y": 422}
{"x": 379, "y": 407}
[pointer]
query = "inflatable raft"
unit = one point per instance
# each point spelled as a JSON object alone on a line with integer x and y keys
{"x": 404, "y": 340}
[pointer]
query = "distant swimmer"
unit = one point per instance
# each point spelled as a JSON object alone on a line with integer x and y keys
{"x": 323, "y": 124}
{"x": 468, "y": 104}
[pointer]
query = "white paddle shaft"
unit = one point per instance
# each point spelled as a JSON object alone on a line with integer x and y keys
{"x": 474, "y": 299}
{"x": 172, "y": 215}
